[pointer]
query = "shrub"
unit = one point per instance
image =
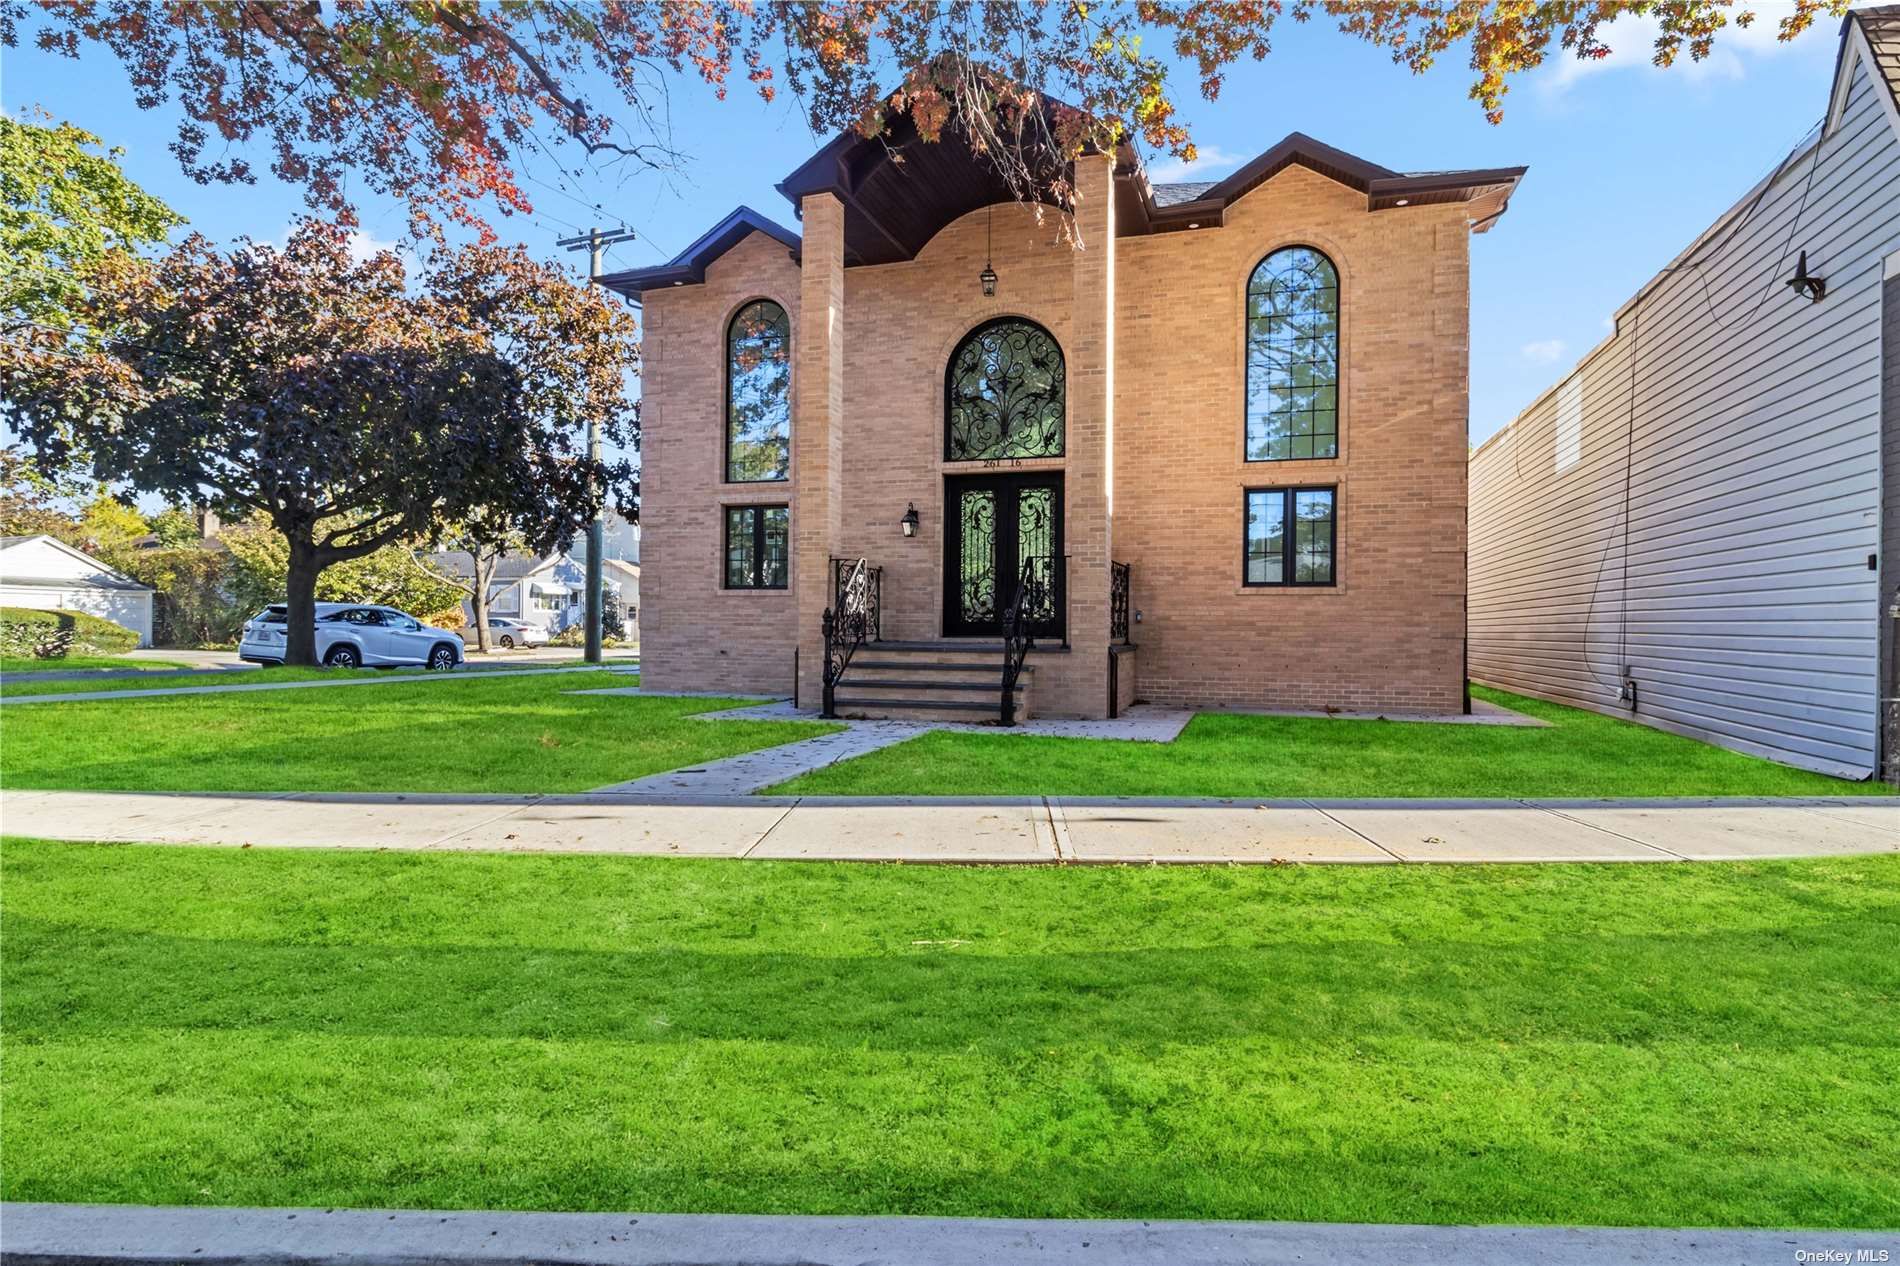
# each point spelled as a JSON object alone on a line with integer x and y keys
{"x": 29, "y": 633}
{"x": 194, "y": 604}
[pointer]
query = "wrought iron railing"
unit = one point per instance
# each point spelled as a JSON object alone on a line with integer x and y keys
{"x": 1118, "y": 603}
{"x": 853, "y": 618}
{"x": 841, "y": 569}
{"x": 1037, "y": 599}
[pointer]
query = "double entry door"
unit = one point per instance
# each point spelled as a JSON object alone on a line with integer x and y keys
{"x": 994, "y": 523}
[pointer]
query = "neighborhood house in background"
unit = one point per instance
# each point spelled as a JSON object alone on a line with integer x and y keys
{"x": 1217, "y": 434}
{"x": 549, "y": 593}
{"x": 1691, "y": 526}
{"x": 48, "y": 575}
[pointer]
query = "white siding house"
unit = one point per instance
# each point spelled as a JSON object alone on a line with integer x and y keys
{"x": 48, "y": 575}
{"x": 1688, "y": 527}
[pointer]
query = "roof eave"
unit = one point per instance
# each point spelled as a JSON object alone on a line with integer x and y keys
{"x": 688, "y": 268}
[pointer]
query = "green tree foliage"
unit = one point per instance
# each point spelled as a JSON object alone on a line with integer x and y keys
{"x": 30, "y": 503}
{"x": 174, "y": 529}
{"x": 391, "y": 576}
{"x": 64, "y": 205}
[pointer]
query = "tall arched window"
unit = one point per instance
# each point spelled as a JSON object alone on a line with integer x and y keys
{"x": 1004, "y": 393}
{"x": 1293, "y": 357}
{"x": 759, "y": 394}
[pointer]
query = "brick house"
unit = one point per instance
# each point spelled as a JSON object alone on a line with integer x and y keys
{"x": 1199, "y": 444}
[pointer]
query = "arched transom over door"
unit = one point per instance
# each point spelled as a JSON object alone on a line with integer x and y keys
{"x": 1005, "y": 394}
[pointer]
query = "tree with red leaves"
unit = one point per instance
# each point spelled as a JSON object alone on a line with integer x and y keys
{"x": 439, "y": 102}
{"x": 328, "y": 396}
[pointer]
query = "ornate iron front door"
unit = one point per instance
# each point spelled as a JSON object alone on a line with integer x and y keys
{"x": 992, "y": 524}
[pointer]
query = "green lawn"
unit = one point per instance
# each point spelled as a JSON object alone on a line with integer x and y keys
{"x": 1669, "y": 1045}
{"x": 1225, "y": 754}
{"x": 19, "y": 664}
{"x": 241, "y": 676}
{"x": 220, "y": 677}
{"x": 500, "y": 731}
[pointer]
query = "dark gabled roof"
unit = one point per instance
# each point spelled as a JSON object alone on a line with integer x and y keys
{"x": 1149, "y": 208}
{"x": 898, "y": 191}
{"x": 1185, "y": 191}
{"x": 1881, "y": 25}
{"x": 509, "y": 567}
{"x": 688, "y": 268}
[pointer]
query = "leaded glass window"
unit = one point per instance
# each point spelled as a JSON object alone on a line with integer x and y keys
{"x": 1293, "y": 357}
{"x": 1004, "y": 394}
{"x": 756, "y": 547}
{"x": 1292, "y": 536}
{"x": 759, "y": 394}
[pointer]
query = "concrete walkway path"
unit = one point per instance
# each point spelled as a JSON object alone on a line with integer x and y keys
{"x": 356, "y": 678}
{"x": 755, "y": 771}
{"x": 74, "y": 1235}
{"x": 976, "y": 829}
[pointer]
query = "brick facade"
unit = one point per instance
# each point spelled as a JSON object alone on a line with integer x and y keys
{"x": 1152, "y": 332}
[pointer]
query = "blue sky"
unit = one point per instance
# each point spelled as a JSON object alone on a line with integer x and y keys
{"x": 1627, "y": 164}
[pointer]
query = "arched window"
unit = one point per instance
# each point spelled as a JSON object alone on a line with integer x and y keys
{"x": 1004, "y": 393}
{"x": 1293, "y": 357}
{"x": 759, "y": 394}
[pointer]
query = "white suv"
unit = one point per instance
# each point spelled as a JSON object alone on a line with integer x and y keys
{"x": 353, "y": 635}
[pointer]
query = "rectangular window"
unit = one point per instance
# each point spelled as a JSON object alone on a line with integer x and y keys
{"x": 757, "y": 546}
{"x": 1291, "y": 536}
{"x": 1570, "y": 423}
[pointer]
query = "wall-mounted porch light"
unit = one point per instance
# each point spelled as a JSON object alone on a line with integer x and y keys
{"x": 1815, "y": 288}
{"x": 909, "y": 521}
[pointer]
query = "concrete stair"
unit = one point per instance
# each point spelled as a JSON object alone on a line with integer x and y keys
{"x": 930, "y": 681}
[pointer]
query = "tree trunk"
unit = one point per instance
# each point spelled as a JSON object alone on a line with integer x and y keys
{"x": 300, "y": 602}
{"x": 484, "y": 580}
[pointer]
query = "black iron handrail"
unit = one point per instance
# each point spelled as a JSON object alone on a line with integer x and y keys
{"x": 841, "y": 569}
{"x": 852, "y": 619}
{"x": 1118, "y": 584}
{"x": 1037, "y": 590}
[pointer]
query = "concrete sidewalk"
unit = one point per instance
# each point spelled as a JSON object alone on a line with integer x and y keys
{"x": 72, "y": 1235}
{"x": 1001, "y": 829}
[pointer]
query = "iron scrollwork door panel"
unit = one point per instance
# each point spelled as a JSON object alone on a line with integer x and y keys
{"x": 976, "y": 598}
{"x": 996, "y": 522}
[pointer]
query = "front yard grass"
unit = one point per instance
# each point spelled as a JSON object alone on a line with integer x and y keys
{"x": 1227, "y": 754}
{"x": 71, "y": 663}
{"x": 1687, "y": 1045}
{"x": 500, "y": 731}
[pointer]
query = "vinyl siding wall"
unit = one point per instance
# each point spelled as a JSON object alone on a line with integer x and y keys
{"x": 1745, "y": 442}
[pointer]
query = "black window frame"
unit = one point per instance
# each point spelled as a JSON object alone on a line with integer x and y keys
{"x": 725, "y": 418}
{"x": 1246, "y": 357}
{"x": 1287, "y": 493}
{"x": 757, "y": 509}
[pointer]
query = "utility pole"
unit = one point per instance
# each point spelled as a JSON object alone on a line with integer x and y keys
{"x": 595, "y": 244}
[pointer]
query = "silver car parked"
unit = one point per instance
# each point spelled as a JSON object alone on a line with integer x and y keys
{"x": 508, "y": 633}
{"x": 354, "y": 635}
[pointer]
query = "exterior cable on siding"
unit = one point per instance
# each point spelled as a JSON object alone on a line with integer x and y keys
{"x": 1696, "y": 502}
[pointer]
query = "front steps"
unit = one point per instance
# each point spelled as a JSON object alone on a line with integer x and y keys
{"x": 929, "y": 681}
